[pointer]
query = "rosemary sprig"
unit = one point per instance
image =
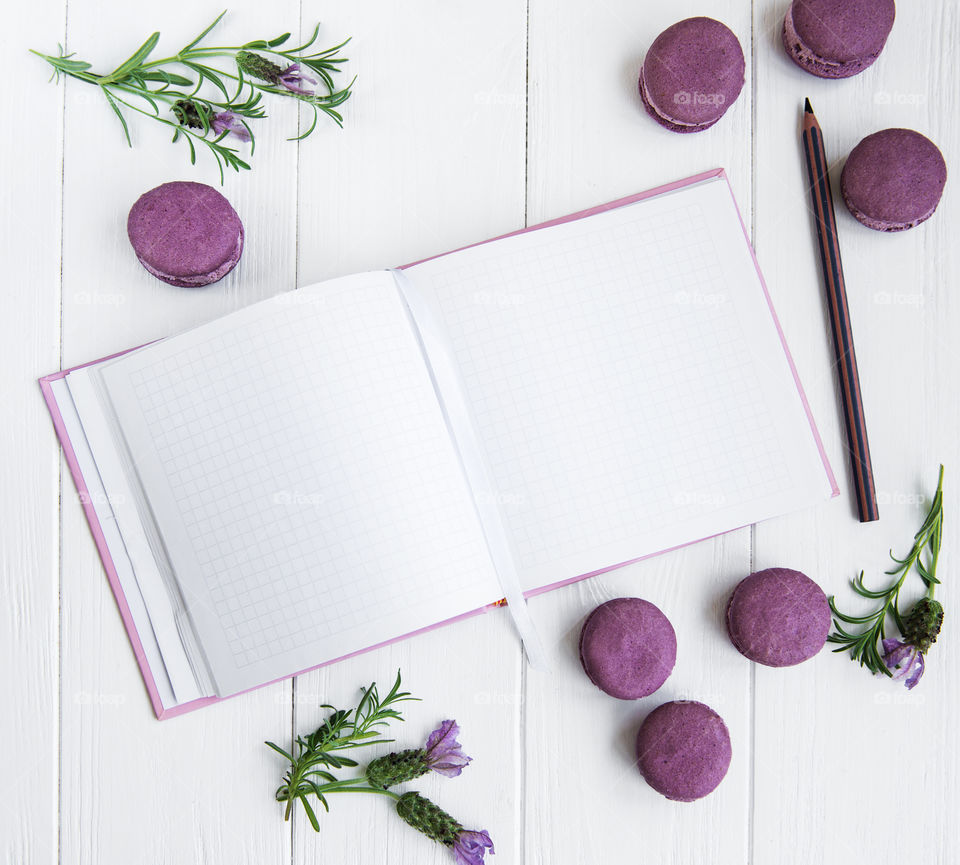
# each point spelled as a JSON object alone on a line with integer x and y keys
{"x": 322, "y": 750}
{"x": 864, "y": 646}
{"x": 207, "y": 103}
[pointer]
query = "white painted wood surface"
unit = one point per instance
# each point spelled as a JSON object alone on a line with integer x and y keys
{"x": 468, "y": 121}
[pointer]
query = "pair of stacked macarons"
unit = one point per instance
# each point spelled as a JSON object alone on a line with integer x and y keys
{"x": 628, "y": 649}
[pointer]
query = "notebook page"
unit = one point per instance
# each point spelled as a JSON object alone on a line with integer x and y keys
{"x": 627, "y": 381}
{"x": 302, "y": 479}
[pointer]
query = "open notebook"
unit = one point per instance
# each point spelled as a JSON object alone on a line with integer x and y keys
{"x": 350, "y": 463}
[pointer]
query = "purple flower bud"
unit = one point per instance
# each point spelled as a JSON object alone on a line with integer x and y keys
{"x": 227, "y": 121}
{"x": 904, "y": 661}
{"x": 471, "y": 846}
{"x": 292, "y": 78}
{"x": 444, "y": 753}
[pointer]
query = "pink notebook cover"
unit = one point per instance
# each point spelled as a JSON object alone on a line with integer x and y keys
{"x": 163, "y": 712}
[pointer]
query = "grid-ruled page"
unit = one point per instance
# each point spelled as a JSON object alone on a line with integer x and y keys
{"x": 626, "y": 380}
{"x": 302, "y": 479}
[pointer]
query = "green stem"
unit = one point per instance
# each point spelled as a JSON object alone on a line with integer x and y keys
{"x": 346, "y": 785}
{"x": 193, "y": 54}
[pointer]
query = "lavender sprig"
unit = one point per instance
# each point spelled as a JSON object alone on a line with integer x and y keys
{"x": 901, "y": 659}
{"x": 204, "y": 103}
{"x": 309, "y": 771}
{"x": 322, "y": 750}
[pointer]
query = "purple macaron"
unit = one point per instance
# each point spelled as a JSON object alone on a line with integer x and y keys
{"x": 185, "y": 233}
{"x": 893, "y": 179}
{"x": 628, "y": 648}
{"x": 778, "y": 617}
{"x": 836, "y": 38}
{"x": 683, "y": 750}
{"x": 692, "y": 74}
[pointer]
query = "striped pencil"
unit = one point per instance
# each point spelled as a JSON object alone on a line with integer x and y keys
{"x": 822, "y": 196}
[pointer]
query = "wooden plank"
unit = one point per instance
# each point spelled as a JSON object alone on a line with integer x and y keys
{"x": 31, "y": 154}
{"x": 431, "y": 157}
{"x": 196, "y": 788}
{"x": 831, "y": 741}
{"x": 591, "y": 141}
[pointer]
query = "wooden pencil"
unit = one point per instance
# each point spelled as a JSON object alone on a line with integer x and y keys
{"x": 822, "y": 198}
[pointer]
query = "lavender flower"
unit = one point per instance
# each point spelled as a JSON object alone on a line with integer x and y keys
{"x": 444, "y": 753}
{"x": 227, "y": 121}
{"x": 471, "y": 846}
{"x": 904, "y": 661}
{"x": 292, "y": 78}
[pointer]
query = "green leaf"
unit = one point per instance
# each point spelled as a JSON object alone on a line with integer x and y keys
{"x": 134, "y": 59}
{"x": 216, "y": 21}
{"x": 311, "y": 816}
{"x": 279, "y": 750}
{"x": 170, "y": 78}
{"x": 116, "y": 110}
{"x": 307, "y": 44}
{"x": 279, "y": 40}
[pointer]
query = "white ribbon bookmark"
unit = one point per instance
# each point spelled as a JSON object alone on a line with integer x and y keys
{"x": 450, "y": 392}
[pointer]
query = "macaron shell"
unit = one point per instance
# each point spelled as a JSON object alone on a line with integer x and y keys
{"x": 684, "y": 750}
{"x": 202, "y": 279}
{"x": 778, "y": 617}
{"x": 893, "y": 179}
{"x": 844, "y": 35}
{"x": 628, "y": 648}
{"x": 185, "y": 233}
{"x": 692, "y": 73}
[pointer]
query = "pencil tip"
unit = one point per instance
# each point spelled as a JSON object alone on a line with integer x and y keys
{"x": 807, "y": 107}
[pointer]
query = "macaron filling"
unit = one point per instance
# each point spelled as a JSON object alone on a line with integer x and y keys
{"x": 663, "y": 119}
{"x": 882, "y": 225}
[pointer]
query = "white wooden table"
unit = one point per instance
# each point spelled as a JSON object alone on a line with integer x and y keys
{"x": 470, "y": 120}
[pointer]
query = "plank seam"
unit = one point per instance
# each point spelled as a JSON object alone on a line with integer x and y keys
{"x": 60, "y": 479}
{"x": 523, "y": 684}
{"x": 752, "y": 724}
